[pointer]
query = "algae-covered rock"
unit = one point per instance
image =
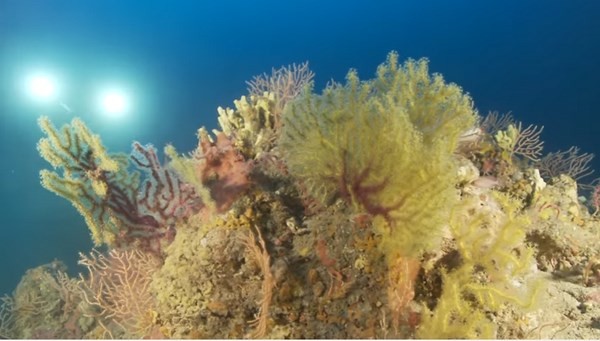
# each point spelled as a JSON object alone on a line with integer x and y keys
{"x": 564, "y": 233}
{"x": 205, "y": 287}
{"x": 44, "y": 305}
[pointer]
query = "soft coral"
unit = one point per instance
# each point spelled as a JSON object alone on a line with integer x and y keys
{"x": 224, "y": 170}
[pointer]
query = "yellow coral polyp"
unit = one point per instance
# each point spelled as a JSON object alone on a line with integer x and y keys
{"x": 251, "y": 124}
{"x": 99, "y": 187}
{"x": 507, "y": 139}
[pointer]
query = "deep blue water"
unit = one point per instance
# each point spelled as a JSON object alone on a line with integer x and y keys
{"x": 182, "y": 59}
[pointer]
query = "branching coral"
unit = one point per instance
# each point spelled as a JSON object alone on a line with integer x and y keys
{"x": 258, "y": 250}
{"x": 525, "y": 142}
{"x": 383, "y": 145}
{"x": 88, "y": 172}
{"x": 251, "y": 125}
{"x": 117, "y": 291}
{"x": 163, "y": 195}
{"x": 7, "y": 327}
{"x": 494, "y": 122}
{"x": 490, "y": 242}
{"x": 284, "y": 85}
{"x": 568, "y": 162}
{"x": 44, "y": 305}
{"x": 119, "y": 209}
{"x": 440, "y": 111}
{"x": 255, "y": 122}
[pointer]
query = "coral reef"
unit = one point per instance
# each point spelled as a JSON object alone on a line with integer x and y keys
{"x": 116, "y": 292}
{"x": 119, "y": 208}
{"x": 380, "y": 208}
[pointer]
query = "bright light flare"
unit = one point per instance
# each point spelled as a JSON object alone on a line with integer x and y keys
{"x": 42, "y": 87}
{"x": 114, "y": 102}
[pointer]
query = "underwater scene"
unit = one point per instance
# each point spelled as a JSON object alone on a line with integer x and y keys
{"x": 322, "y": 176}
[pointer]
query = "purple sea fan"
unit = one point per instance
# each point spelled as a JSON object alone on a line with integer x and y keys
{"x": 163, "y": 198}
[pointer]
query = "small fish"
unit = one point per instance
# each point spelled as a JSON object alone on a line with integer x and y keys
{"x": 486, "y": 182}
{"x": 66, "y": 107}
{"x": 471, "y": 135}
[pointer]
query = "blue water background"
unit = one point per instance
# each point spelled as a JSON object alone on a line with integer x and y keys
{"x": 182, "y": 59}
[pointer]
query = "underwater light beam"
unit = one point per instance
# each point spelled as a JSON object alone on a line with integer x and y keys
{"x": 114, "y": 102}
{"x": 42, "y": 87}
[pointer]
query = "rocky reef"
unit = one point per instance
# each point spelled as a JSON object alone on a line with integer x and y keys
{"x": 379, "y": 208}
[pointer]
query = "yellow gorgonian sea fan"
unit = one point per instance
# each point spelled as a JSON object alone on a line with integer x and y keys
{"x": 83, "y": 172}
{"x": 384, "y": 145}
